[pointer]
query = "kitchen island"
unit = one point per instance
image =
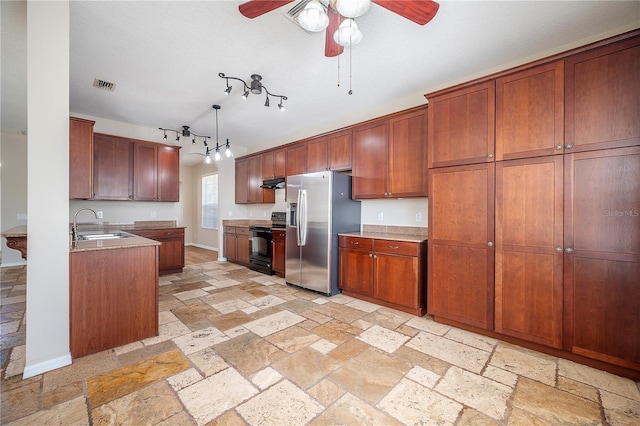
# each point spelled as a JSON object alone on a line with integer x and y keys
{"x": 113, "y": 292}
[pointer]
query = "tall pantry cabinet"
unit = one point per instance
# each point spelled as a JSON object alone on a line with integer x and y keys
{"x": 539, "y": 238}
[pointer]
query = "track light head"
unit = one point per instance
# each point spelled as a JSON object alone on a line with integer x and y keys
{"x": 254, "y": 87}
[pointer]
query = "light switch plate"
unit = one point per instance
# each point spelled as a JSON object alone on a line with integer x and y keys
{"x": 380, "y": 216}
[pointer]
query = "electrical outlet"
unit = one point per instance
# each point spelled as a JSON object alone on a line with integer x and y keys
{"x": 230, "y": 213}
{"x": 250, "y": 214}
{"x": 21, "y": 216}
{"x": 99, "y": 214}
{"x": 380, "y": 216}
{"x": 264, "y": 213}
{"x": 153, "y": 215}
{"x": 418, "y": 217}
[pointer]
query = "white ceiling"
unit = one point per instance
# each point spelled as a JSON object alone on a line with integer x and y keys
{"x": 164, "y": 58}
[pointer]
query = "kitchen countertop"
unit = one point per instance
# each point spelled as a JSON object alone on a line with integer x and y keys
{"x": 246, "y": 222}
{"x": 15, "y": 232}
{"x": 119, "y": 243}
{"x": 386, "y": 236}
{"x": 111, "y": 244}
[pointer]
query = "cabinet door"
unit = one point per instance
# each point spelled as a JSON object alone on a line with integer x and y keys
{"x": 254, "y": 180}
{"x": 267, "y": 165}
{"x": 602, "y": 102}
{"x": 242, "y": 249}
{"x": 297, "y": 159}
{"x": 370, "y": 160}
{"x": 396, "y": 279}
{"x": 80, "y": 158}
{"x": 317, "y": 150}
{"x": 408, "y": 155}
{"x": 602, "y": 255}
{"x": 242, "y": 177}
{"x": 229, "y": 243}
{"x": 145, "y": 172}
{"x": 172, "y": 254}
{"x": 168, "y": 173}
{"x": 112, "y": 168}
{"x": 461, "y": 126}
{"x": 340, "y": 151}
{"x": 356, "y": 271}
{"x": 460, "y": 248}
{"x": 278, "y": 252}
{"x": 530, "y": 112}
{"x": 529, "y": 227}
{"x": 280, "y": 162}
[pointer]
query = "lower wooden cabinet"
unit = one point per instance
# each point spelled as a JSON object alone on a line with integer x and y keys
{"x": 171, "y": 252}
{"x": 236, "y": 244}
{"x": 113, "y": 298}
{"x": 387, "y": 272}
{"x": 278, "y": 251}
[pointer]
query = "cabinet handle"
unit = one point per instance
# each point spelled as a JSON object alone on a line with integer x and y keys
{"x": 568, "y": 250}
{"x": 370, "y": 255}
{"x": 394, "y": 247}
{"x": 559, "y": 249}
{"x": 490, "y": 244}
{"x": 355, "y": 243}
{"x": 568, "y": 146}
{"x": 558, "y": 146}
{"x": 489, "y": 155}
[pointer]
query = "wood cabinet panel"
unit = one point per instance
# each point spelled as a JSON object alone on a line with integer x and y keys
{"x": 461, "y": 126}
{"x": 530, "y": 112}
{"x": 242, "y": 177}
{"x": 168, "y": 173}
{"x": 602, "y": 102}
{"x": 280, "y": 163}
{"x": 112, "y": 306}
{"x": 529, "y": 255}
{"x": 602, "y": 255}
{"x": 145, "y": 172}
{"x": 237, "y": 244}
{"x": 340, "y": 150}
{"x": 395, "y": 279}
{"x": 460, "y": 265}
{"x": 249, "y": 177}
{"x": 297, "y": 159}
{"x": 80, "y": 158}
{"x": 113, "y": 168}
{"x": 171, "y": 252}
{"x": 356, "y": 271}
{"x": 408, "y": 155}
{"x": 278, "y": 252}
{"x": 370, "y": 160}
{"x": 317, "y": 151}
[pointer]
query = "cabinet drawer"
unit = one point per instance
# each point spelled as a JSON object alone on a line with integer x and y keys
{"x": 242, "y": 230}
{"x": 160, "y": 234}
{"x": 396, "y": 247}
{"x": 229, "y": 229}
{"x": 356, "y": 243}
{"x": 279, "y": 235}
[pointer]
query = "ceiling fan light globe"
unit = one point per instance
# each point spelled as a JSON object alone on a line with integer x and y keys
{"x": 348, "y": 34}
{"x": 314, "y": 18}
{"x": 352, "y": 8}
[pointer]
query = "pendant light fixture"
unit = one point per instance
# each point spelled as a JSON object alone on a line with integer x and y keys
{"x": 227, "y": 151}
{"x": 255, "y": 87}
{"x": 348, "y": 34}
{"x": 352, "y": 8}
{"x": 314, "y": 17}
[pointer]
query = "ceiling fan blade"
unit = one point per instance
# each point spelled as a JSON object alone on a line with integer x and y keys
{"x": 331, "y": 48}
{"x": 418, "y": 11}
{"x": 255, "y": 8}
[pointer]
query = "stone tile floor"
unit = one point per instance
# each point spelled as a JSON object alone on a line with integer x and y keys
{"x": 240, "y": 348}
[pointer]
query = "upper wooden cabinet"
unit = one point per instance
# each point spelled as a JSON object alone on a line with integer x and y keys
{"x": 80, "y": 158}
{"x": 168, "y": 173}
{"x": 461, "y": 126}
{"x": 112, "y": 168}
{"x": 249, "y": 177}
{"x": 145, "y": 172}
{"x": 274, "y": 163}
{"x": 530, "y": 112}
{"x": 390, "y": 157}
{"x": 602, "y": 101}
{"x": 297, "y": 159}
{"x": 329, "y": 152}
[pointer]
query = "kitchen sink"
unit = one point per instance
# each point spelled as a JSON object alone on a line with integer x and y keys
{"x": 103, "y": 236}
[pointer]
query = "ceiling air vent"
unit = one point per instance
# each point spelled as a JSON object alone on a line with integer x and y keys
{"x": 104, "y": 85}
{"x": 293, "y": 13}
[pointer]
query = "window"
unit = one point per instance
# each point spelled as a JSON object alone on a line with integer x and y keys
{"x": 210, "y": 213}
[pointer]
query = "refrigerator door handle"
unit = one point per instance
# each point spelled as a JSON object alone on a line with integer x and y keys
{"x": 298, "y": 207}
{"x": 302, "y": 225}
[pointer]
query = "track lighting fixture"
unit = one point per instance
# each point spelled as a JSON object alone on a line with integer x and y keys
{"x": 188, "y": 133}
{"x": 255, "y": 87}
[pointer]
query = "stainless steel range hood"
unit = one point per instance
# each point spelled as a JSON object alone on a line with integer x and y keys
{"x": 275, "y": 183}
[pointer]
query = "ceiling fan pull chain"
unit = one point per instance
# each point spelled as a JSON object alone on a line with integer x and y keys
{"x": 350, "y": 91}
{"x": 338, "y": 56}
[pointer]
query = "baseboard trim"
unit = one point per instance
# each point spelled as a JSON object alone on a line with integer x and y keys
{"x": 43, "y": 367}
{"x": 10, "y": 264}
{"x": 202, "y": 246}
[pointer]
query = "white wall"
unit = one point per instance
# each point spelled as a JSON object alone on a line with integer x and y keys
{"x": 47, "y": 314}
{"x": 400, "y": 212}
{"x": 13, "y": 199}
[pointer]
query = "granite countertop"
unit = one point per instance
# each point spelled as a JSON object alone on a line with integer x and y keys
{"x": 127, "y": 226}
{"x": 15, "y": 232}
{"x": 397, "y": 233}
{"x": 246, "y": 222}
{"x": 111, "y": 244}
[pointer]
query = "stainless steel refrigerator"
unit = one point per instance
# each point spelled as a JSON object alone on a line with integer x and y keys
{"x": 319, "y": 206}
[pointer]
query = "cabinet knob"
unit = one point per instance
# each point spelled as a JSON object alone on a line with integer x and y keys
{"x": 568, "y": 250}
{"x": 568, "y": 146}
{"x": 558, "y": 147}
{"x": 490, "y": 243}
{"x": 370, "y": 255}
{"x": 489, "y": 155}
{"x": 559, "y": 249}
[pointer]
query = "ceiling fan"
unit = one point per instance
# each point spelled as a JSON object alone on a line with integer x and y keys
{"x": 418, "y": 11}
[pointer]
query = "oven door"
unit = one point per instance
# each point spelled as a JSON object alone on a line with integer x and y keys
{"x": 260, "y": 249}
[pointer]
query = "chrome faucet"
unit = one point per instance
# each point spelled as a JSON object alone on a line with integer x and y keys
{"x": 74, "y": 227}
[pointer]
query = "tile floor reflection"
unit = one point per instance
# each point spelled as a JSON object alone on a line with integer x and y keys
{"x": 239, "y": 347}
